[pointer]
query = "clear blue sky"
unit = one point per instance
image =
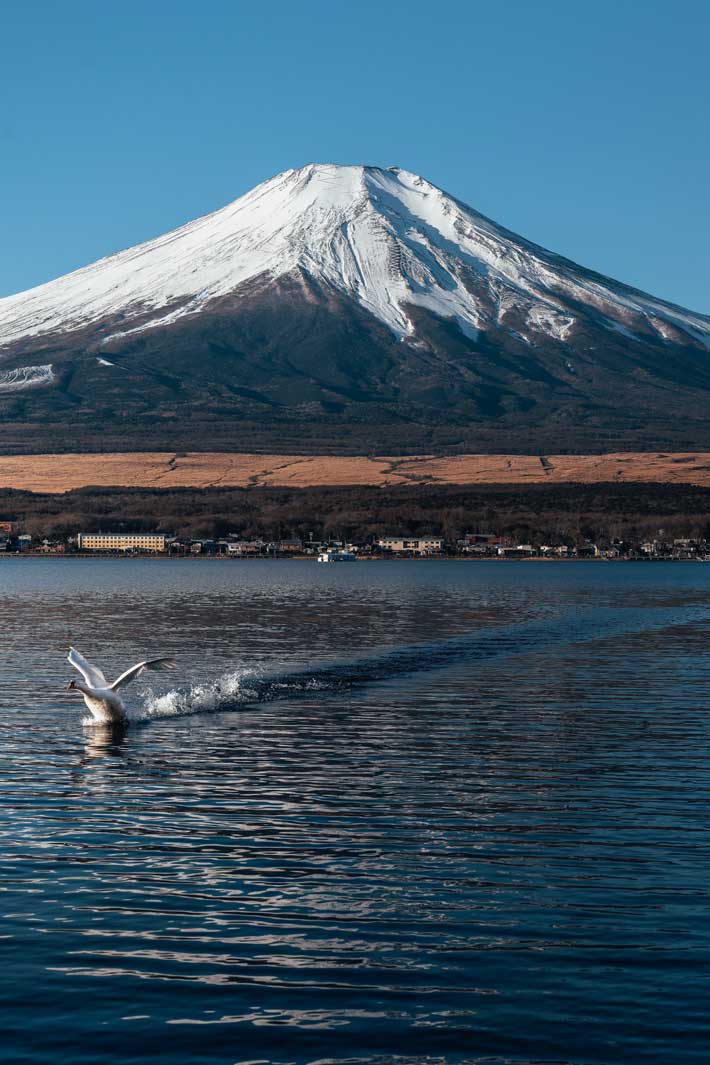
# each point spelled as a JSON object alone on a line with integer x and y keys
{"x": 583, "y": 126}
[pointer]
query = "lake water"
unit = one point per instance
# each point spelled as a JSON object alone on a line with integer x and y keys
{"x": 383, "y": 812}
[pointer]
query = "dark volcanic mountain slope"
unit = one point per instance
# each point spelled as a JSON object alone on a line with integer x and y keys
{"x": 348, "y": 309}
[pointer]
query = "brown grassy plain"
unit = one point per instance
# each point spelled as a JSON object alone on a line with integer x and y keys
{"x": 61, "y": 473}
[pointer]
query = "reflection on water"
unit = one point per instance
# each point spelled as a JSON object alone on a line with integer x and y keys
{"x": 393, "y": 812}
{"x": 104, "y": 741}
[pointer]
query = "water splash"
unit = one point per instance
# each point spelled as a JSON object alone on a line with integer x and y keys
{"x": 242, "y": 687}
{"x": 227, "y": 691}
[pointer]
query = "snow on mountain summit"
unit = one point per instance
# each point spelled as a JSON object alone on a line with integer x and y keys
{"x": 386, "y": 238}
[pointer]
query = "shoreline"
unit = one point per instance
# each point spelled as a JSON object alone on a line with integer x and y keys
{"x": 98, "y": 556}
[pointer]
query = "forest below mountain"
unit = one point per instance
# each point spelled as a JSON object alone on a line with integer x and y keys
{"x": 568, "y": 513}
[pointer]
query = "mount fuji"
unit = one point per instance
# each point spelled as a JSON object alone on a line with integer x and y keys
{"x": 348, "y": 308}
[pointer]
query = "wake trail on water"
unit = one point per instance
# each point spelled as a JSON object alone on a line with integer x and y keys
{"x": 233, "y": 690}
{"x": 246, "y": 687}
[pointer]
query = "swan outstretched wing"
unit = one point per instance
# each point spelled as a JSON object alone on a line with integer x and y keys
{"x": 150, "y": 663}
{"x": 91, "y": 674}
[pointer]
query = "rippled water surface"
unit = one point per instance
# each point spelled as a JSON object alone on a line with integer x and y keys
{"x": 412, "y": 812}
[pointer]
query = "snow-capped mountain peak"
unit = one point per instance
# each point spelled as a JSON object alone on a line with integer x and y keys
{"x": 388, "y": 239}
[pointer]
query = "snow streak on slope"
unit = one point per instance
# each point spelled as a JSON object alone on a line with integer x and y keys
{"x": 386, "y": 238}
{"x": 26, "y": 377}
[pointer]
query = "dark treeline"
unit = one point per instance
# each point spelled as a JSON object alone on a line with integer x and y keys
{"x": 541, "y": 513}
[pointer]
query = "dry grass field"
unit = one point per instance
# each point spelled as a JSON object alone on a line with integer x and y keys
{"x": 61, "y": 473}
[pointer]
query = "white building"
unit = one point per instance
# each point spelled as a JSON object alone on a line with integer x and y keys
{"x": 421, "y": 545}
{"x": 121, "y": 541}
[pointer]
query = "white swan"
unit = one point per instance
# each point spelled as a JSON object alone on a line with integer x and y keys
{"x": 104, "y": 702}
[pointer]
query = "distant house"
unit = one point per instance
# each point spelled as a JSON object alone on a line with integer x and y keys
{"x": 52, "y": 547}
{"x": 517, "y": 551}
{"x": 289, "y": 547}
{"x": 152, "y": 542}
{"x": 313, "y": 547}
{"x": 478, "y": 549}
{"x": 245, "y": 548}
{"x": 482, "y": 544}
{"x": 178, "y": 546}
{"x": 412, "y": 545}
{"x": 685, "y": 548}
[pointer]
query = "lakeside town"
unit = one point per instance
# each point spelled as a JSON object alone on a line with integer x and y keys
{"x": 471, "y": 545}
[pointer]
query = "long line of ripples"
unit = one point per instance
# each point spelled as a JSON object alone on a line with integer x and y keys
{"x": 487, "y": 845}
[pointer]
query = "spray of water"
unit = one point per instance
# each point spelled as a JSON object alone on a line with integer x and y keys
{"x": 228, "y": 691}
{"x": 236, "y": 689}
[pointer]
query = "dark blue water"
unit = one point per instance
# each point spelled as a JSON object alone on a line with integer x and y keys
{"x": 383, "y": 812}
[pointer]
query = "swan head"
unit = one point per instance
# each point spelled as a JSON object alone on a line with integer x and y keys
{"x": 71, "y": 685}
